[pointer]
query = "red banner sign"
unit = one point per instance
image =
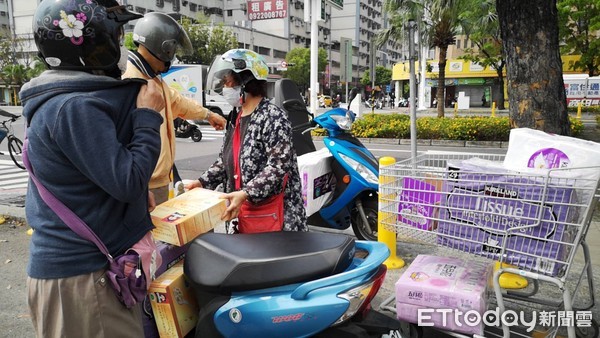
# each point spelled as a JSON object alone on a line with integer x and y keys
{"x": 267, "y": 9}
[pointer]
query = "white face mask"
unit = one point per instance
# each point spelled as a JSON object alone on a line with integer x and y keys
{"x": 122, "y": 64}
{"x": 232, "y": 96}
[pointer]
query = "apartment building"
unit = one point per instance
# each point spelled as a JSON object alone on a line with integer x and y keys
{"x": 359, "y": 20}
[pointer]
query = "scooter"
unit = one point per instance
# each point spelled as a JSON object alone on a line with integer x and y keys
{"x": 355, "y": 168}
{"x": 287, "y": 284}
{"x": 184, "y": 129}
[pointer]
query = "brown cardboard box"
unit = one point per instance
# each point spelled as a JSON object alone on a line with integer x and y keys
{"x": 173, "y": 303}
{"x": 181, "y": 219}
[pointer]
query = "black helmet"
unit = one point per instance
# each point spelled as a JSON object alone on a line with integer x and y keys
{"x": 80, "y": 34}
{"x": 162, "y": 36}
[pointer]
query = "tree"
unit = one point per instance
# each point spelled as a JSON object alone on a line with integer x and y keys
{"x": 441, "y": 25}
{"x": 208, "y": 40}
{"x": 479, "y": 23}
{"x": 579, "y": 23}
{"x": 536, "y": 92}
{"x": 299, "y": 72}
{"x": 383, "y": 76}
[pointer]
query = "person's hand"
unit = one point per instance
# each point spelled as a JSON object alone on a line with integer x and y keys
{"x": 151, "y": 97}
{"x": 193, "y": 184}
{"x": 235, "y": 199}
{"x": 217, "y": 121}
{"x": 151, "y": 201}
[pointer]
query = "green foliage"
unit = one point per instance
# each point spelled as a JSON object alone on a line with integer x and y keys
{"x": 300, "y": 71}
{"x": 472, "y": 128}
{"x": 128, "y": 42}
{"x": 383, "y": 76}
{"x": 579, "y": 23}
{"x": 208, "y": 40}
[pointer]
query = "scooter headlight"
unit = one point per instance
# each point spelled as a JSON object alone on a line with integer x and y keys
{"x": 344, "y": 122}
{"x": 363, "y": 170}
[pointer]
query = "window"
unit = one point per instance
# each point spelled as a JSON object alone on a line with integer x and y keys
{"x": 278, "y": 54}
{"x": 458, "y": 44}
{"x": 229, "y": 12}
{"x": 160, "y": 3}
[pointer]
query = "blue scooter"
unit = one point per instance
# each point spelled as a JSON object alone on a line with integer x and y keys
{"x": 355, "y": 168}
{"x": 287, "y": 284}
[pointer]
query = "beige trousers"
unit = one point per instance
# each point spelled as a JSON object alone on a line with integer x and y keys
{"x": 80, "y": 306}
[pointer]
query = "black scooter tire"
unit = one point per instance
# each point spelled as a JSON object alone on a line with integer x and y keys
{"x": 196, "y": 135}
{"x": 370, "y": 205}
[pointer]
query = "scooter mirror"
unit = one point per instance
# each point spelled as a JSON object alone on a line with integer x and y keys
{"x": 353, "y": 93}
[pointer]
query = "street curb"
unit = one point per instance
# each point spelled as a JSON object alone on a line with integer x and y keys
{"x": 430, "y": 142}
{"x": 13, "y": 211}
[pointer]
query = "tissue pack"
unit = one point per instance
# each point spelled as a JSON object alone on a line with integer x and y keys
{"x": 432, "y": 282}
{"x": 482, "y": 205}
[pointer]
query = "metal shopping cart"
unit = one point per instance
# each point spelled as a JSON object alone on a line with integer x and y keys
{"x": 534, "y": 220}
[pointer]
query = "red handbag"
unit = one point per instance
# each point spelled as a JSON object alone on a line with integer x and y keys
{"x": 266, "y": 216}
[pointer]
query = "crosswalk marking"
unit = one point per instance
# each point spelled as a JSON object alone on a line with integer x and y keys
{"x": 12, "y": 177}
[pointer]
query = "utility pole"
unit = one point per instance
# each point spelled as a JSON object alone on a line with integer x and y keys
{"x": 412, "y": 25}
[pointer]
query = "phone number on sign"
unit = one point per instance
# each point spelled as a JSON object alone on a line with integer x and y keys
{"x": 267, "y": 15}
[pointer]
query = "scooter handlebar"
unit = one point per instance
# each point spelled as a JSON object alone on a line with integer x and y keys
{"x": 304, "y": 126}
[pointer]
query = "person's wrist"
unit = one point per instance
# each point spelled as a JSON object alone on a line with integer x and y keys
{"x": 208, "y": 115}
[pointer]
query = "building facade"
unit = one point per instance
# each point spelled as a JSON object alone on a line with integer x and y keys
{"x": 359, "y": 20}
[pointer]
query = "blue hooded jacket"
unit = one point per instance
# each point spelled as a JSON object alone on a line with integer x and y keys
{"x": 95, "y": 151}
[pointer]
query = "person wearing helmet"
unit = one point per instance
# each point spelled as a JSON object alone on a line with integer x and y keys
{"x": 159, "y": 38}
{"x": 92, "y": 141}
{"x": 266, "y": 153}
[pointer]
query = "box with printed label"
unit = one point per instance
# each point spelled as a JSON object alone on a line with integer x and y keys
{"x": 173, "y": 303}
{"x": 432, "y": 282}
{"x": 318, "y": 181}
{"x": 181, "y": 219}
{"x": 171, "y": 255}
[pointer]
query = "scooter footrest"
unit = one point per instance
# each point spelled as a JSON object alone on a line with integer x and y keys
{"x": 239, "y": 262}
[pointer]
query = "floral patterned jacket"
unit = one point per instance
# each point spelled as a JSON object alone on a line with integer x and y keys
{"x": 266, "y": 155}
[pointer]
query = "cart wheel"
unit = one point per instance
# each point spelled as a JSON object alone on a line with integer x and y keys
{"x": 409, "y": 330}
{"x": 587, "y": 332}
{"x": 196, "y": 135}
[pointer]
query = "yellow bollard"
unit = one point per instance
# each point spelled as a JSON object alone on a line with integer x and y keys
{"x": 383, "y": 235}
{"x": 493, "y": 109}
{"x": 455, "y": 109}
{"x": 579, "y": 110}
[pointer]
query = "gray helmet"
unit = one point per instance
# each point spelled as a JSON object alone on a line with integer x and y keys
{"x": 162, "y": 36}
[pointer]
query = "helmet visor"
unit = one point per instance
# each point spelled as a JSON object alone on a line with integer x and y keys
{"x": 122, "y": 14}
{"x": 220, "y": 72}
{"x": 184, "y": 44}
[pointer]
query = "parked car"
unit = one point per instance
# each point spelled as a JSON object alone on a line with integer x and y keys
{"x": 325, "y": 101}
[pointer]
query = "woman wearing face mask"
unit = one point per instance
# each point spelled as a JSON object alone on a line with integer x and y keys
{"x": 265, "y": 157}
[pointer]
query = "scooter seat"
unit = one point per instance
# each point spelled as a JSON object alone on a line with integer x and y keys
{"x": 224, "y": 263}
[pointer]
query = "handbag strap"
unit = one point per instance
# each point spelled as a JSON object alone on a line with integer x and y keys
{"x": 237, "y": 140}
{"x": 65, "y": 214}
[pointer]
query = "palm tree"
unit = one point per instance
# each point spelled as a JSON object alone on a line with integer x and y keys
{"x": 441, "y": 23}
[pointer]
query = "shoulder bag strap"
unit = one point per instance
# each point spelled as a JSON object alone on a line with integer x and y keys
{"x": 65, "y": 214}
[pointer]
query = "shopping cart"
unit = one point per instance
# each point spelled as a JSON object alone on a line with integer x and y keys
{"x": 534, "y": 220}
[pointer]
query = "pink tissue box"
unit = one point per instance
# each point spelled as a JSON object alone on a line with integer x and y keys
{"x": 441, "y": 283}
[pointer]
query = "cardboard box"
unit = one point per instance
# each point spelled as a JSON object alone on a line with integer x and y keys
{"x": 181, "y": 219}
{"x": 318, "y": 181}
{"x": 171, "y": 255}
{"x": 173, "y": 303}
